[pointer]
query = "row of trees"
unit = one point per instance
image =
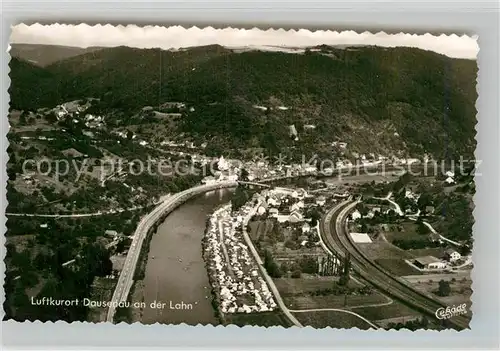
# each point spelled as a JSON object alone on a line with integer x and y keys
{"x": 421, "y": 323}
{"x": 339, "y": 289}
{"x": 345, "y": 274}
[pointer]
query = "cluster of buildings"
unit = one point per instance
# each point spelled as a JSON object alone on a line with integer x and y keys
{"x": 124, "y": 135}
{"x": 234, "y": 273}
{"x": 266, "y": 170}
{"x": 75, "y": 110}
{"x": 92, "y": 121}
{"x": 171, "y": 104}
{"x": 372, "y": 211}
{"x": 186, "y": 144}
{"x": 288, "y": 205}
{"x": 433, "y": 263}
{"x": 226, "y": 171}
{"x": 70, "y": 108}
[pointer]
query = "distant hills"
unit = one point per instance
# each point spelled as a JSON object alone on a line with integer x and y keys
{"x": 386, "y": 100}
{"x": 44, "y": 55}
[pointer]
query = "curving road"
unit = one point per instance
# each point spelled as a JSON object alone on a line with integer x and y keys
{"x": 73, "y": 215}
{"x": 397, "y": 208}
{"x": 260, "y": 264}
{"x": 338, "y": 310}
{"x": 335, "y": 235}
{"x": 431, "y": 228}
{"x": 91, "y": 214}
{"x": 125, "y": 279}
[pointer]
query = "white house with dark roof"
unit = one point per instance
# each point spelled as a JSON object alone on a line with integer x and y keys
{"x": 452, "y": 255}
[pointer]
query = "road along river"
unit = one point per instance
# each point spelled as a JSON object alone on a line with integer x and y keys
{"x": 175, "y": 272}
{"x": 176, "y": 281}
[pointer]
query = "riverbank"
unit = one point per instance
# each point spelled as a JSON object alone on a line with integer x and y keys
{"x": 136, "y": 294}
{"x": 175, "y": 275}
{"x": 175, "y": 269}
{"x": 215, "y": 287}
{"x": 126, "y": 278}
{"x": 242, "y": 288}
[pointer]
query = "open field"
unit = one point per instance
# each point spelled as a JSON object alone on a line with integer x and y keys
{"x": 118, "y": 261}
{"x": 389, "y": 257}
{"x": 433, "y": 251}
{"x": 461, "y": 291}
{"x": 332, "y": 301}
{"x": 438, "y": 276}
{"x": 291, "y": 286}
{"x": 40, "y": 124}
{"x": 397, "y": 267}
{"x": 298, "y": 294}
{"x": 334, "y": 319}
{"x": 263, "y": 319}
{"x": 396, "y": 309}
{"x": 258, "y": 229}
{"x": 380, "y": 249}
{"x": 408, "y": 232}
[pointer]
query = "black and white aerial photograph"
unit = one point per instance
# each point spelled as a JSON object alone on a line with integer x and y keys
{"x": 249, "y": 177}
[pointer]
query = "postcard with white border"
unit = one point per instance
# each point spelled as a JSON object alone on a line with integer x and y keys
{"x": 240, "y": 177}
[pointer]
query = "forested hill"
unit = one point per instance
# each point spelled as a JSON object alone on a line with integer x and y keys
{"x": 44, "y": 55}
{"x": 381, "y": 98}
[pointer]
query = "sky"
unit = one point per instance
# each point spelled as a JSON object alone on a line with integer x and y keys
{"x": 179, "y": 37}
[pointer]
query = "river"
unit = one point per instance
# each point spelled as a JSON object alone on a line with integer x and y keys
{"x": 175, "y": 270}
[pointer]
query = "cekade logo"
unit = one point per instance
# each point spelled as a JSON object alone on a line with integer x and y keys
{"x": 447, "y": 313}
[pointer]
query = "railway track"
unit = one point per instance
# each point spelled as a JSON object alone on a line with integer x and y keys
{"x": 334, "y": 233}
